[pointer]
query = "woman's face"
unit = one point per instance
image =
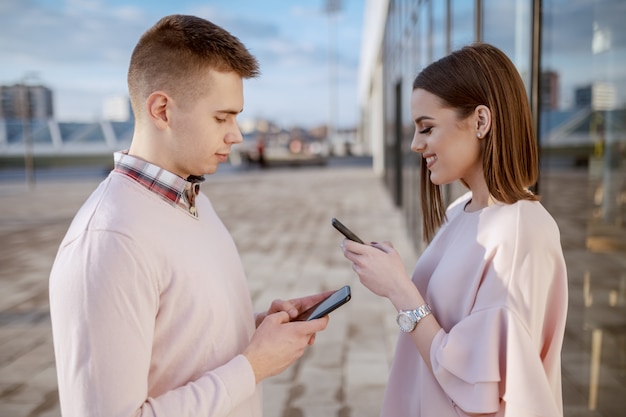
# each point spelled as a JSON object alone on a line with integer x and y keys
{"x": 450, "y": 147}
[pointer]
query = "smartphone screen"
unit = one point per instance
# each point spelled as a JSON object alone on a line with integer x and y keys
{"x": 345, "y": 231}
{"x": 326, "y": 306}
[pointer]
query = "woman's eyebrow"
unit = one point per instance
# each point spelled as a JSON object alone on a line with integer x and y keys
{"x": 421, "y": 118}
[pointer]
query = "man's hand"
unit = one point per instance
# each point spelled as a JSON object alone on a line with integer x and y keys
{"x": 277, "y": 342}
{"x": 292, "y": 307}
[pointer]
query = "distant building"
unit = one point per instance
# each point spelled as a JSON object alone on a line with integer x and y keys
{"x": 22, "y": 101}
{"x": 598, "y": 96}
{"x": 550, "y": 90}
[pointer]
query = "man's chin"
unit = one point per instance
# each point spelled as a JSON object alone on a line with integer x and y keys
{"x": 211, "y": 169}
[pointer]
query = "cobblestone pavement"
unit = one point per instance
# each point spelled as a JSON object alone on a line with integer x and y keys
{"x": 280, "y": 220}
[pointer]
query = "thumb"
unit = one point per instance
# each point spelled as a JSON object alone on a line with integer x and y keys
{"x": 279, "y": 317}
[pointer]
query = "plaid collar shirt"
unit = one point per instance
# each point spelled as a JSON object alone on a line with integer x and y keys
{"x": 169, "y": 186}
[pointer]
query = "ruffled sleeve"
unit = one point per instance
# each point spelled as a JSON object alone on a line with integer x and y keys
{"x": 477, "y": 382}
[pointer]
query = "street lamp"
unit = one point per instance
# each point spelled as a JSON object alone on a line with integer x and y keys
{"x": 29, "y": 165}
{"x": 332, "y": 8}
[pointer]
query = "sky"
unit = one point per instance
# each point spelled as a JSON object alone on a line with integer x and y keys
{"x": 81, "y": 48}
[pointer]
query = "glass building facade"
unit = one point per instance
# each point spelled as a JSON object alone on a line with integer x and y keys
{"x": 572, "y": 58}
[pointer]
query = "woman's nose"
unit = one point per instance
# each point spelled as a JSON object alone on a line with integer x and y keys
{"x": 418, "y": 145}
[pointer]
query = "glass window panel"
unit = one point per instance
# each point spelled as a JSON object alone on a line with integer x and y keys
{"x": 440, "y": 29}
{"x": 583, "y": 183}
{"x": 424, "y": 35}
{"x": 507, "y": 25}
{"x": 463, "y": 19}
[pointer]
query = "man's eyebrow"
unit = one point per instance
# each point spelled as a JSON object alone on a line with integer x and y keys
{"x": 421, "y": 118}
{"x": 228, "y": 111}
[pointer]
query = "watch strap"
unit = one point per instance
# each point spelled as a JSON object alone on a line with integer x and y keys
{"x": 416, "y": 315}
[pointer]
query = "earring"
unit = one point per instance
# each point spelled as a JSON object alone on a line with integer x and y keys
{"x": 478, "y": 134}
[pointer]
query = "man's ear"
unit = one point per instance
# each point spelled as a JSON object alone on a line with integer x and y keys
{"x": 157, "y": 106}
{"x": 483, "y": 120}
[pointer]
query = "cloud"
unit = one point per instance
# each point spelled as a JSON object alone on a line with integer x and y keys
{"x": 81, "y": 49}
{"x": 72, "y": 34}
{"x": 571, "y": 25}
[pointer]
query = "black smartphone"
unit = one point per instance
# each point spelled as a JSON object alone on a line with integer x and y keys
{"x": 326, "y": 306}
{"x": 345, "y": 231}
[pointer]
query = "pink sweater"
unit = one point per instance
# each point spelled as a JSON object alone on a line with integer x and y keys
{"x": 497, "y": 283}
{"x": 150, "y": 310}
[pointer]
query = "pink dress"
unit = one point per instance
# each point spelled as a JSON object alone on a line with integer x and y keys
{"x": 497, "y": 283}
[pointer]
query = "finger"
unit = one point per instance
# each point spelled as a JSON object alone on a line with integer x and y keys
{"x": 278, "y": 317}
{"x": 357, "y": 269}
{"x": 290, "y": 308}
{"x": 259, "y": 317}
{"x": 309, "y": 301}
{"x": 320, "y": 296}
{"x": 317, "y": 325}
{"x": 287, "y": 306}
{"x": 385, "y": 247}
{"x": 354, "y": 247}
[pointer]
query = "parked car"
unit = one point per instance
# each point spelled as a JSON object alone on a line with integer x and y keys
{"x": 294, "y": 149}
{"x": 284, "y": 148}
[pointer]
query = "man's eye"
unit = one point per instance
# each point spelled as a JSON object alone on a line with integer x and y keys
{"x": 219, "y": 120}
{"x": 425, "y": 130}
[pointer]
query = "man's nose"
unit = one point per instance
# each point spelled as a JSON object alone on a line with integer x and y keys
{"x": 235, "y": 135}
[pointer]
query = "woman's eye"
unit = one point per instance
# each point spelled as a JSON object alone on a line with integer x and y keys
{"x": 220, "y": 120}
{"x": 425, "y": 130}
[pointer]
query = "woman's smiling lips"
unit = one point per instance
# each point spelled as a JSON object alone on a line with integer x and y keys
{"x": 430, "y": 159}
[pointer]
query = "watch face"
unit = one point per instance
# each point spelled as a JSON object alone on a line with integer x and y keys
{"x": 405, "y": 322}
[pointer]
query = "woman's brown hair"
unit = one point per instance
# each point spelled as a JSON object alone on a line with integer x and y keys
{"x": 176, "y": 50}
{"x": 481, "y": 74}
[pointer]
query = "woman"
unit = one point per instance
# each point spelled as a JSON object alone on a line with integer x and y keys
{"x": 483, "y": 316}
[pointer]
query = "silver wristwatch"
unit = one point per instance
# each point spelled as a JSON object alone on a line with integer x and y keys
{"x": 408, "y": 319}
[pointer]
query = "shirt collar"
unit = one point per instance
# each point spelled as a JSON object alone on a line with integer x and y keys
{"x": 169, "y": 186}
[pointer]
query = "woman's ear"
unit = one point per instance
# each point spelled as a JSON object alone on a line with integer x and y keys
{"x": 157, "y": 107}
{"x": 483, "y": 120}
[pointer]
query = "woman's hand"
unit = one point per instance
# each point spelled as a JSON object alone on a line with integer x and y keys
{"x": 382, "y": 271}
{"x": 378, "y": 266}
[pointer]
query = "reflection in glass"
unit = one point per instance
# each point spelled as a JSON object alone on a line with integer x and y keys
{"x": 583, "y": 157}
{"x": 507, "y": 24}
{"x": 440, "y": 29}
{"x": 463, "y": 23}
{"x": 423, "y": 25}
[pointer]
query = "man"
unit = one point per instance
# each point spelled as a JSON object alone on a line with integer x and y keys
{"x": 150, "y": 309}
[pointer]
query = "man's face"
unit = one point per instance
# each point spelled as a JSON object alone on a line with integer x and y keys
{"x": 203, "y": 131}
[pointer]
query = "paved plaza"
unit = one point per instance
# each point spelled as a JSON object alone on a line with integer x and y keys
{"x": 280, "y": 220}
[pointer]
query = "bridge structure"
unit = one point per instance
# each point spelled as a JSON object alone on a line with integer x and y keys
{"x": 54, "y": 138}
